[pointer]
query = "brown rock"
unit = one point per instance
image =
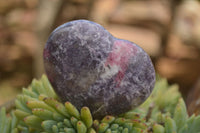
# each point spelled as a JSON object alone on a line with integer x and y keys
{"x": 80, "y": 1}
{"x": 102, "y": 9}
{"x": 147, "y": 39}
{"x": 26, "y": 40}
{"x": 15, "y": 17}
{"x": 31, "y": 3}
{"x": 177, "y": 49}
{"x": 147, "y": 13}
{"x": 7, "y": 5}
{"x": 187, "y": 20}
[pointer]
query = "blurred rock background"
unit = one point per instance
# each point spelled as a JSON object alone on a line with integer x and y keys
{"x": 169, "y": 30}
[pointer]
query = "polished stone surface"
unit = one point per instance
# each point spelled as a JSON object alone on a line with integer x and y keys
{"x": 87, "y": 66}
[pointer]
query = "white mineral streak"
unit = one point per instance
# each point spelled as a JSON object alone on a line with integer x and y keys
{"x": 110, "y": 71}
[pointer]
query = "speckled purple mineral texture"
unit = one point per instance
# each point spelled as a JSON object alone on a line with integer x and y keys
{"x": 87, "y": 66}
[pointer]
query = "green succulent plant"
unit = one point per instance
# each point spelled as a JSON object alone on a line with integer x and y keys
{"x": 38, "y": 110}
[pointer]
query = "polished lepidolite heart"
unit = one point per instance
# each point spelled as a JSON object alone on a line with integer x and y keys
{"x": 87, "y": 66}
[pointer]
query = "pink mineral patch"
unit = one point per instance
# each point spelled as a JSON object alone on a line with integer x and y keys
{"x": 121, "y": 52}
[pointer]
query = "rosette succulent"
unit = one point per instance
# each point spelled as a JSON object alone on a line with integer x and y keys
{"x": 38, "y": 110}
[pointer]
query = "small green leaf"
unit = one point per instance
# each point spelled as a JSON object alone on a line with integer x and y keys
{"x": 33, "y": 121}
{"x": 81, "y": 128}
{"x": 86, "y": 117}
{"x": 108, "y": 119}
{"x": 102, "y": 127}
{"x": 71, "y": 109}
{"x": 158, "y": 128}
{"x": 48, "y": 125}
{"x": 170, "y": 125}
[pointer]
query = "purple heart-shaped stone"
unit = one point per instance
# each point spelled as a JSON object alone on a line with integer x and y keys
{"x": 87, "y": 66}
